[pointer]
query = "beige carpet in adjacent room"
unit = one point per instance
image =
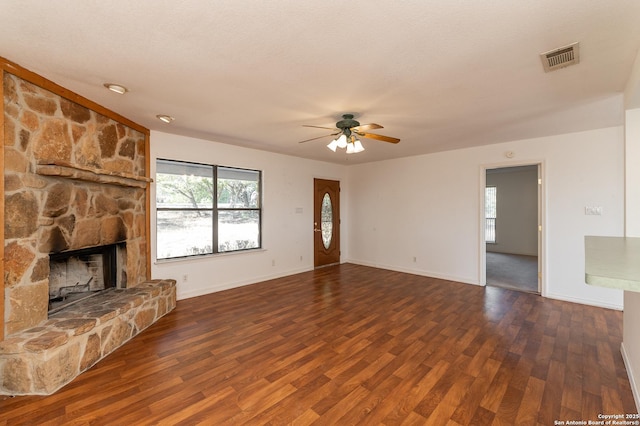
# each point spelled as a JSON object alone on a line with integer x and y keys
{"x": 513, "y": 271}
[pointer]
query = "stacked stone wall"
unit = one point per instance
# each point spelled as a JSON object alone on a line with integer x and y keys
{"x": 45, "y": 214}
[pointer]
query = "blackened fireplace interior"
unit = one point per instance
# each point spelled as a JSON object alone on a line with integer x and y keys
{"x": 79, "y": 274}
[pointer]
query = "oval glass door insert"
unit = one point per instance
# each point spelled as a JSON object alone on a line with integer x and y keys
{"x": 326, "y": 220}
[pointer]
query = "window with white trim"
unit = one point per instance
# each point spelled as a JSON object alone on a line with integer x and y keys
{"x": 490, "y": 210}
{"x": 206, "y": 209}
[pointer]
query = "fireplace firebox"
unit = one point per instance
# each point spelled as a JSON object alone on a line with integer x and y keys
{"x": 78, "y": 274}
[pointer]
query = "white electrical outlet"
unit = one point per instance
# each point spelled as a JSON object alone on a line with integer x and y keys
{"x": 415, "y": 259}
{"x": 185, "y": 278}
{"x": 273, "y": 262}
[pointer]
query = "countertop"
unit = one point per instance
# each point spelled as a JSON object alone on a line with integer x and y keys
{"x": 613, "y": 262}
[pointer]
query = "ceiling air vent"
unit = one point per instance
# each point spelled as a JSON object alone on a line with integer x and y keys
{"x": 561, "y": 57}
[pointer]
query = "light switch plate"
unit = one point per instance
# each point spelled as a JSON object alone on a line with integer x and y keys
{"x": 593, "y": 210}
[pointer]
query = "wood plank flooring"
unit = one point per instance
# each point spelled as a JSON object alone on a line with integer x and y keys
{"x": 353, "y": 345}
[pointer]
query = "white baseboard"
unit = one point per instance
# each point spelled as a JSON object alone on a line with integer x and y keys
{"x": 632, "y": 379}
{"x": 415, "y": 272}
{"x": 227, "y": 286}
{"x": 581, "y": 301}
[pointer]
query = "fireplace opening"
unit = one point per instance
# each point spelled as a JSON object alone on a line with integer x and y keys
{"x": 79, "y": 274}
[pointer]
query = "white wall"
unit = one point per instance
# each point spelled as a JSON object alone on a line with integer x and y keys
{"x": 631, "y": 319}
{"x": 286, "y": 235}
{"x": 632, "y": 170}
{"x": 428, "y": 207}
{"x": 516, "y": 210}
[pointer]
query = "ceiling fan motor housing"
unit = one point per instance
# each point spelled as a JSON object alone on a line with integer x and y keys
{"x": 347, "y": 122}
{"x": 350, "y": 128}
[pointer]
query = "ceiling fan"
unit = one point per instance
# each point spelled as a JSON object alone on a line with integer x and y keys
{"x": 349, "y": 129}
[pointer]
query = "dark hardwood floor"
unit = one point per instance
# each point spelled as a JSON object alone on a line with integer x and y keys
{"x": 353, "y": 345}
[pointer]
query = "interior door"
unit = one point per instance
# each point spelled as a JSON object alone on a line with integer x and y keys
{"x": 326, "y": 222}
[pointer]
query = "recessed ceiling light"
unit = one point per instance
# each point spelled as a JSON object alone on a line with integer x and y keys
{"x": 117, "y": 88}
{"x": 165, "y": 118}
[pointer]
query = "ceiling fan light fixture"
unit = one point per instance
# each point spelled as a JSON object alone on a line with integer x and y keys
{"x": 349, "y": 130}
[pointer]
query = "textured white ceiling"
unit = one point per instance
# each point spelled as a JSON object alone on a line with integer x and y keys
{"x": 438, "y": 74}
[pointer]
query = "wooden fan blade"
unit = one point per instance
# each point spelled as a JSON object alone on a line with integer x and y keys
{"x": 319, "y": 137}
{"x": 379, "y": 137}
{"x": 319, "y": 127}
{"x": 366, "y": 127}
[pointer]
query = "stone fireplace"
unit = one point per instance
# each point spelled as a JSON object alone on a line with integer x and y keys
{"x": 75, "y": 206}
{"x": 74, "y": 179}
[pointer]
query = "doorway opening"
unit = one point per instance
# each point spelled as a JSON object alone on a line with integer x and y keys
{"x": 512, "y": 228}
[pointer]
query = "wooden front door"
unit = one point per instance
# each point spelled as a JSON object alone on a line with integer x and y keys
{"x": 326, "y": 222}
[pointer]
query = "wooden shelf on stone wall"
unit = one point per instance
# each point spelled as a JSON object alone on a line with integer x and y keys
{"x": 67, "y": 170}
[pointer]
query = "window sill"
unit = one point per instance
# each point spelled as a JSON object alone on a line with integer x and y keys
{"x": 207, "y": 256}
